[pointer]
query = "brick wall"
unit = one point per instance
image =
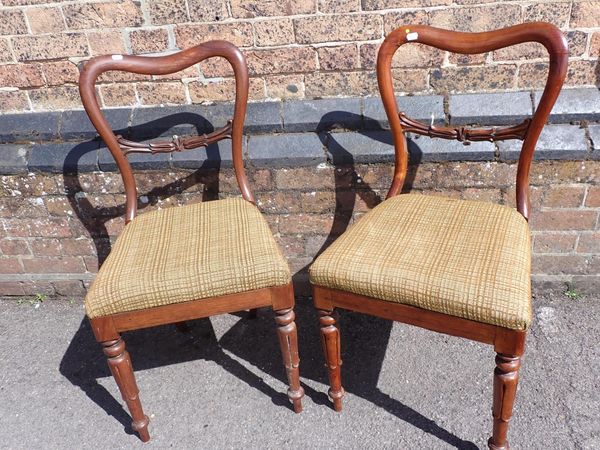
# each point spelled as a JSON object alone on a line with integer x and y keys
{"x": 295, "y": 49}
{"x": 315, "y": 167}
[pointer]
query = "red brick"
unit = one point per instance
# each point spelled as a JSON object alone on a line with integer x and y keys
{"x": 67, "y": 264}
{"x": 149, "y": 41}
{"x": 564, "y": 196}
{"x": 592, "y": 199}
{"x": 472, "y": 19}
{"x": 16, "y": 227}
{"x": 12, "y": 22}
{"x": 10, "y": 265}
{"x": 529, "y": 50}
{"x": 11, "y": 288}
{"x": 81, "y": 246}
{"x": 60, "y": 72}
{"x": 589, "y": 243}
{"x": 532, "y": 75}
{"x": 238, "y": 33}
{"x": 37, "y": 287}
{"x": 322, "y": 201}
{"x": 259, "y": 8}
{"x": 291, "y": 246}
{"x": 467, "y": 60}
{"x": 285, "y": 86}
{"x": 14, "y": 247}
{"x": 564, "y": 220}
{"x": 45, "y": 20}
{"x": 51, "y": 46}
{"x": 389, "y": 4}
{"x": 394, "y": 20}
{"x": 46, "y": 247}
{"x": 208, "y": 10}
{"x": 341, "y": 57}
{"x": 472, "y": 78}
{"x": 274, "y": 32}
{"x": 304, "y": 178}
{"x": 595, "y": 44}
{"x": 281, "y": 60}
{"x": 305, "y": 224}
{"x": 261, "y": 180}
{"x": 280, "y": 202}
{"x": 331, "y": 84}
{"x": 585, "y": 15}
{"x": 223, "y": 90}
{"x": 311, "y": 30}
{"x": 106, "y": 42}
{"x": 161, "y": 93}
{"x": 91, "y": 263}
{"x": 164, "y": 12}
{"x": 580, "y": 73}
{"x": 103, "y": 15}
{"x": 55, "y": 98}
{"x": 565, "y": 264}
{"x": 5, "y": 52}
{"x": 13, "y": 101}
{"x": 19, "y": 207}
{"x": 554, "y": 242}
{"x": 485, "y": 195}
{"x": 577, "y": 43}
{"x": 338, "y": 6}
{"x": 555, "y": 13}
{"x": 118, "y": 94}
{"x": 50, "y": 227}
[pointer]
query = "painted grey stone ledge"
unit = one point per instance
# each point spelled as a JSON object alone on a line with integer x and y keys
{"x": 490, "y": 109}
{"x": 13, "y": 158}
{"x": 317, "y": 115}
{"x": 556, "y": 142}
{"x": 139, "y": 161}
{"x": 574, "y": 105}
{"x": 419, "y": 107}
{"x": 64, "y": 157}
{"x": 29, "y": 127}
{"x": 285, "y": 150}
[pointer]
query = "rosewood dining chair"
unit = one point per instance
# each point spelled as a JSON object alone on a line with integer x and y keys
{"x": 186, "y": 262}
{"x": 453, "y": 266}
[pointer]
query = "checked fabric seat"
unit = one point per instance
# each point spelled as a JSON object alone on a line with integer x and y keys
{"x": 228, "y": 248}
{"x": 463, "y": 258}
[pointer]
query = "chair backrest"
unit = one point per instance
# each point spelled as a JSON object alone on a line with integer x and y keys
{"x": 470, "y": 43}
{"x": 163, "y": 65}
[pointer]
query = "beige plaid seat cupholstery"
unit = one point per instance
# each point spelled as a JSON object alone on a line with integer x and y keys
{"x": 187, "y": 253}
{"x": 462, "y": 258}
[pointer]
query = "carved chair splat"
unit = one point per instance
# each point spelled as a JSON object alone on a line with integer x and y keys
{"x": 130, "y": 292}
{"x": 452, "y": 266}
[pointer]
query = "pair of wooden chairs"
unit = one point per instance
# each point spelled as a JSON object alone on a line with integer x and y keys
{"x": 453, "y": 266}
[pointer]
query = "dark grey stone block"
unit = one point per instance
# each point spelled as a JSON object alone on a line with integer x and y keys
{"x": 13, "y": 158}
{"x": 214, "y": 156}
{"x": 263, "y": 117}
{"x": 324, "y": 114}
{"x": 419, "y": 107}
{"x": 138, "y": 161}
{"x": 422, "y": 148}
{"x": 574, "y": 104}
{"x": 283, "y": 150}
{"x": 594, "y": 131}
{"x": 367, "y": 147}
{"x": 556, "y": 142}
{"x": 490, "y": 109}
{"x": 29, "y": 127}
{"x": 184, "y": 120}
{"x": 77, "y": 125}
{"x": 64, "y": 157}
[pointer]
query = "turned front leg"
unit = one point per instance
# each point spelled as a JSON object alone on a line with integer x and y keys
{"x": 506, "y": 377}
{"x": 122, "y": 370}
{"x": 330, "y": 338}
{"x": 288, "y": 340}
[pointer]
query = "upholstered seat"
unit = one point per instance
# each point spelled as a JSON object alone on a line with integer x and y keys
{"x": 187, "y": 253}
{"x": 463, "y": 258}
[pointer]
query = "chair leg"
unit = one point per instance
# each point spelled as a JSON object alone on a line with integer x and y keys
{"x": 506, "y": 377}
{"x": 288, "y": 340}
{"x": 330, "y": 338}
{"x": 122, "y": 370}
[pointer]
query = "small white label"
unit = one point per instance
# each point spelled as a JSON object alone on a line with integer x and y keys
{"x": 412, "y": 36}
{"x": 117, "y": 57}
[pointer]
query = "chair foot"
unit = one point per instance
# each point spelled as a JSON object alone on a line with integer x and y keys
{"x": 506, "y": 377}
{"x": 330, "y": 338}
{"x": 120, "y": 366}
{"x": 288, "y": 340}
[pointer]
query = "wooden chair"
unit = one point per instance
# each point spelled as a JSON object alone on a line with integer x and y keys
{"x": 453, "y": 266}
{"x": 188, "y": 262}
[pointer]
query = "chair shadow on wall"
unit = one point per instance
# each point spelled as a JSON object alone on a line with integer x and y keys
{"x": 365, "y": 338}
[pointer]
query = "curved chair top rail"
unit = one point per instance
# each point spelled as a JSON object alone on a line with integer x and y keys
{"x": 470, "y": 43}
{"x": 162, "y": 65}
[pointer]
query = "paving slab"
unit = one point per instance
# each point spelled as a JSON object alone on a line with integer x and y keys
{"x": 222, "y": 385}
